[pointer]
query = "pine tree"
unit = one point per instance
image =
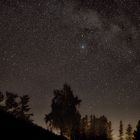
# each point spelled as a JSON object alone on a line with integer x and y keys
{"x": 121, "y": 131}
{"x": 92, "y": 127}
{"x": 10, "y": 101}
{"x": 91, "y": 122}
{"x": 110, "y": 131}
{"x": 129, "y": 132}
{"x": 22, "y": 111}
{"x": 84, "y": 124}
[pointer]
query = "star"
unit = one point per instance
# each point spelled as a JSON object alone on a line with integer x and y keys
{"x": 83, "y": 46}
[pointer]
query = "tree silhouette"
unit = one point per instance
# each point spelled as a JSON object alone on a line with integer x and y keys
{"x": 84, "y": 127}
{"x": 92, "y": 127}
{"x": 137, "y": 132}
{"x": 110, "y": 131}
{"x": 18, "y": 106}
{"x": 96, "y": 128}
{"x": 129, "y": 132}
{"x": 102, "y": 124}
{"x": 22, "y": 110}
{"x": 10, "y": 102}
{"x": 121, "y": 131}
{"x": 64, "y": 114}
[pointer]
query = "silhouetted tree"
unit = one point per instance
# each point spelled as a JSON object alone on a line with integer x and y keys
{"x": 121, "y": 131}
{"x": 99, "y": 128}
{"x": 22, "y": 111}
{"x": 110, "y": 137}
{"x": 137, "y": 132}
{"x": 102, "y": 128}
{"x": 129, "y": 132}
{"x": 84, "y": 127}
{"x": 64, "y": 114}
{"x": 96, "y": 128}
{"x": 18, "y": 106}
{"x": 91, "y": 135}
{"x": 84, "y": 123}
{"x": 10, "y": 101}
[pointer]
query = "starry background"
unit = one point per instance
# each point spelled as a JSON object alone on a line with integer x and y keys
{"x": 92, "y": 45}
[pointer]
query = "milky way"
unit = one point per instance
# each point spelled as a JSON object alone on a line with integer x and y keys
{"x": 91, "y": 45}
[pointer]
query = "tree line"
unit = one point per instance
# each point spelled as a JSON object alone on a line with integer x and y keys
{"x": 66, "y": 118}
{"x": 16, "y": 105}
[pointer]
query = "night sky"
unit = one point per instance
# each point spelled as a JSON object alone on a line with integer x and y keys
{"x": 93, "y": 45}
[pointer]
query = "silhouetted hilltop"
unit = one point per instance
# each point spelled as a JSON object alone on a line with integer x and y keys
{"x": 17, "y": 129}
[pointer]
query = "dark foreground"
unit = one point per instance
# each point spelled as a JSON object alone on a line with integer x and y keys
{"x": 16, "y": 129}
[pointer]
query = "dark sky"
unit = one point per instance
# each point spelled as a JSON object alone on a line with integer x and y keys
{"x": 90, "y": 44}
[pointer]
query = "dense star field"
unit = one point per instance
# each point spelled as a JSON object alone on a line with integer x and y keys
{"x": 90, "y": 44}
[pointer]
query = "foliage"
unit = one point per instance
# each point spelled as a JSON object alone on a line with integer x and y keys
{"x": 129, "y": 132}
{"x": 121, "y": 131}
{"x": 18, "y": 106}
{"x": 23, "y": 108}
{"x": 93, "y": 128}
{"x": 64, "y": 114}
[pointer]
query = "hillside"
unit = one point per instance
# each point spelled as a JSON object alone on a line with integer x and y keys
{"x": 16, "y": 129}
